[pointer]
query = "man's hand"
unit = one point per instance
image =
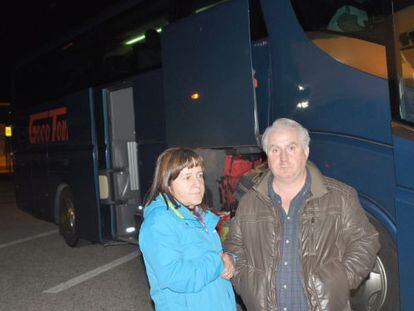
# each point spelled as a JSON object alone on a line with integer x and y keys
{"x": 228, "y": 266}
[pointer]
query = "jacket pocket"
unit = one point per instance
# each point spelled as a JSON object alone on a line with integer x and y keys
{"x": 169, "y": 300}
{"x": 331, "y": 287}
{"x": 253, "y": 287}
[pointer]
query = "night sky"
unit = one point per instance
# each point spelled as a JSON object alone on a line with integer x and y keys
{"x": 25, "y": 26}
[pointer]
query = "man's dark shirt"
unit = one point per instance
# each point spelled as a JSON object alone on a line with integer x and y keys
{"x": 289, "y": 279}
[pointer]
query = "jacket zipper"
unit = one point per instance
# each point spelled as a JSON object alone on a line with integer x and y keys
{"x": 312, "y": 220}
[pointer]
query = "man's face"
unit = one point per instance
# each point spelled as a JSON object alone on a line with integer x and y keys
{"x": 286, "y": 155}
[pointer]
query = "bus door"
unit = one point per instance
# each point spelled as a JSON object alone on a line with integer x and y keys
{"x": 121, "y": 163}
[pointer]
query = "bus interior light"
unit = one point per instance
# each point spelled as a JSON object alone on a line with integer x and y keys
{"x": 140, "y": 38}
{"x": 135, "y": 40}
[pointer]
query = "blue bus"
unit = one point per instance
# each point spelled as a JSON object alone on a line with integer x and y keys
{"x": 93, "y": 111}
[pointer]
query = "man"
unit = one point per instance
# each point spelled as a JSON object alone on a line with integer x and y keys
{"x": 301, "y": 241}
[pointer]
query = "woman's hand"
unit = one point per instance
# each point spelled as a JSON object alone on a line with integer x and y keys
{"x": 228, "y": 266}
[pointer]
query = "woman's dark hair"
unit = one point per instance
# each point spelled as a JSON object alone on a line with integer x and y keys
{"x": 169, "y": 165}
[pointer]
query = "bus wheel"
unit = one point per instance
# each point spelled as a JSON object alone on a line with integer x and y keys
{"x": 380, "y": 290}
{"x": 67, "y": 218}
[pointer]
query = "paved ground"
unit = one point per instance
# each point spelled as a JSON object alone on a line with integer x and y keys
{"x": 39, "y": 272}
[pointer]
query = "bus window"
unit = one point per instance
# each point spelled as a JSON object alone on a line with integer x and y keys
{"x": 121, "y": 46}
{"x": 404, "y": 21}
{"x": 352, "y": 32}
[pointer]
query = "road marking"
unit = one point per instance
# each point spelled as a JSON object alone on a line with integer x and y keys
{"x": 91, "y": 274}
{"x": 41, "y": 235}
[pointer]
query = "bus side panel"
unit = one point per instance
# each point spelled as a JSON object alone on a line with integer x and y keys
{"x": 31, "y": 156}
{"x": 405, "y": 242}
{"x": 404, "y": 167}
{"x": 22, "y": 165}
{"x": 149, "y": 124}
{"x": 39, "y": 179}
{"x": 149, "y": 106}
{"x": 208, "y": 78}
{"x": 315, "y": 89}
{"x": 365, "y": 165}
{"x": 22, "y": 178}
{"x": 72, "y": 162}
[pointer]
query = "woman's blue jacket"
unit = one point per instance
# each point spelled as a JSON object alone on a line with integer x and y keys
{"x": 182, "y": 259}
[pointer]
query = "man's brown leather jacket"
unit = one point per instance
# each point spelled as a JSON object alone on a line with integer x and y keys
{"x": 338, "y": 245}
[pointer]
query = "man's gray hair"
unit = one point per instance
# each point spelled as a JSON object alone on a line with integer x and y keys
{"x": 285, "y": 123}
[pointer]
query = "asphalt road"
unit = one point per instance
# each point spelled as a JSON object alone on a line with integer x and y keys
{"x": 38, "y": 271}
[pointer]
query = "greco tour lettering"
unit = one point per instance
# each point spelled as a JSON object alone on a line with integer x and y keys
{"x": 48, "y": 126}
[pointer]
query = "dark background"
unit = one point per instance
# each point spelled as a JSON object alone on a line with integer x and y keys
{"x": 30, "y": 26}
{"x": 25, "y": 26}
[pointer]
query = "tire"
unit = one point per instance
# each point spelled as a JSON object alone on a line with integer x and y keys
{"x": 380, "y": 291}
{"x": 68, "y": 226}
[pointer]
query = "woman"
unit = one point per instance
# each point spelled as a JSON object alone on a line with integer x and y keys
{"x": 182, "y": 252}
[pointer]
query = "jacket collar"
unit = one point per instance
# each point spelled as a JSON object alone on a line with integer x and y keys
{"x": 317, "y": 189}
{"x": 185, "y": 214}
{"x": 210, "y": 219}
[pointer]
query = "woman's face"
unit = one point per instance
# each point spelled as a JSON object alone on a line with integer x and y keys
{"x": 188, "y": 187}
